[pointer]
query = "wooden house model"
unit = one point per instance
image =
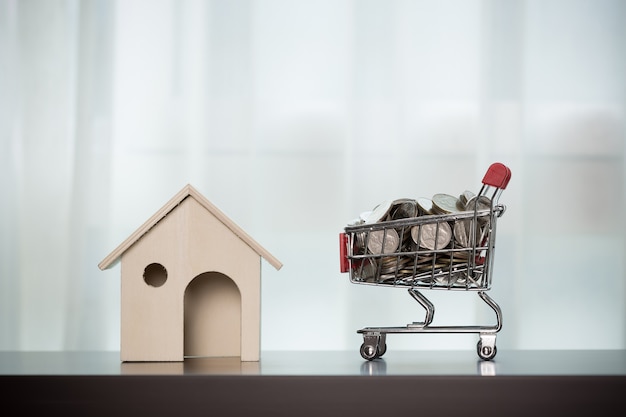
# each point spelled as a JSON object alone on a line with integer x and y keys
{"x": 190, "y": 284}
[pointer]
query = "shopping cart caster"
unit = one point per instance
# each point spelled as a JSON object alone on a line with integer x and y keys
{"x": 374, "y": 346}
{"x": 486, "y": 347}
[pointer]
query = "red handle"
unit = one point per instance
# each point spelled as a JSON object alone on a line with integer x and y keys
{"x": 498, "y": 175}
{"x": 344, "y": 264}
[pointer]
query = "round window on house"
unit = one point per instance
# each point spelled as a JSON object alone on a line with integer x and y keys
{"x": 155, "y": 275}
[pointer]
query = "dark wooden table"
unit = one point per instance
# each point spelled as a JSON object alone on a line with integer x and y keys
{"x": 319, "y": 383}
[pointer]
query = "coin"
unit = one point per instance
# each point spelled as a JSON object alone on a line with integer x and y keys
{"x": 366, "y": 270}
{"x": 355, "y": 222}
{"x": 465, "y": 197}
{"x": 403, "y": 208}
{"x": 432, "y": 236}
{"x": 359, "y": 243}
{"x": 460, "y": 257}
{"x": 424, "y": 205}
{"x": 464, "y": 236}
{"x": 393, "y": 268}
{"x": 364, "y": 216}
{"x": 479, "y": 202}
{"x": 388, "y": 237}
{"x": 422, "y": 259}
{"x": 446, "y": 204}
{"x": 379, "y": 213}
{"x": 446, "y": 279}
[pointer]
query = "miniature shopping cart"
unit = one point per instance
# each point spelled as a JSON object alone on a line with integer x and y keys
{"x": 449, "y": 251}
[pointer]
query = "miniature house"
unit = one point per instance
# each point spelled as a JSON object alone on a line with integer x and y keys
{"x": 190, "y": 284}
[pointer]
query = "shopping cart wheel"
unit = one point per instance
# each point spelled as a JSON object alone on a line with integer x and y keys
{"x": 369, "y": 352}
{"x": 486, "y": 351}
{"x": 374, "y": 345}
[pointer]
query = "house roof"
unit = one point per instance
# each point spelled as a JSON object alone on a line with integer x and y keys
{"x": 187, "y": 191}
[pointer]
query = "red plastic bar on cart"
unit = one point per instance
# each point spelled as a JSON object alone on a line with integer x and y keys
{"x": 344, "y": 263}
{"x": 498, "y": 175}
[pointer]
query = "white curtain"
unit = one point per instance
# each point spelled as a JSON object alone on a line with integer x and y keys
{"x": 295, "y": 116}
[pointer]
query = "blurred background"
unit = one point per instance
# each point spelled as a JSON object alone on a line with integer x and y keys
{"x": 294, "y": 117}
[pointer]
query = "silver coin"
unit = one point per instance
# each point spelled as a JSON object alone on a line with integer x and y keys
{"x": 425, "y": 206}
{"x": 379, "y": 213}
{"x": 355, "y": 222}
{"x": 461, "y": 233}
{"x": 366, "y": 271}
{"x": 359, "y": 243}
{"x": 393, "y": 264}
{"x": 465, "y": 197}
{"x": 425, "y": 259}
{"x": 446, "y": 204}
{"x": 403, "y": 208}
{"x": 464, "y": 236}
{"x": 432, "y": 236}
{"x": 445, "y": 279}
{"x": 364, "y": 216}
{"x": 478, "y": 202}
{"x": 387, "y": 237}
{"x": 460, "y": 257}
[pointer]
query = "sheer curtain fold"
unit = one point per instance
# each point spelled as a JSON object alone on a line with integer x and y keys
{"x": 293, "y": 118}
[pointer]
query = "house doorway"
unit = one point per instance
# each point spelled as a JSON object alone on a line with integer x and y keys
{"x": 212, "y": 316}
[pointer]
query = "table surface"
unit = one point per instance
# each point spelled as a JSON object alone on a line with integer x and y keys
{"x": 328, "y": 363}
{"x": 318, "y": 383}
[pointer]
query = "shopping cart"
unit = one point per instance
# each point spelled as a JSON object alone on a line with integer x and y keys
{"x": 449, "y": 251}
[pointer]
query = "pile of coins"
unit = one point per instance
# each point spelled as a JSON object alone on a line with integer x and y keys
{"x": 441, "y": 252}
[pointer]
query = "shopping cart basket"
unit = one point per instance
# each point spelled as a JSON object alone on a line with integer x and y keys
{"x": 450, "y": 251}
